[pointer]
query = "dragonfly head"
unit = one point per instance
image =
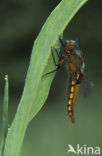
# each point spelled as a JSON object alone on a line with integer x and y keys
{"x": 69, "y": 45}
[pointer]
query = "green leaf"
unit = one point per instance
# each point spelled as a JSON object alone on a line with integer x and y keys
{"x": 37, "y": 87}
{"x": 5, "y": 116}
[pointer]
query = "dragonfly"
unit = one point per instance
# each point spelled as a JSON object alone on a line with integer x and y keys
{"x": 74, "y": 58}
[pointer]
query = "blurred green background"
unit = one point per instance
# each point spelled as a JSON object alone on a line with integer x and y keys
{"x": 51, "y": 131}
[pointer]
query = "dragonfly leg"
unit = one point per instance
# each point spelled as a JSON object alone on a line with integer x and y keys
{"x": 60, "y": 61}
{"x": 56, "y": 64}
{"x": 58, "y": 55}
{"x": 61, "y": 58}
{"x": 52, "y": 71}
{"x": 61, "y": 41}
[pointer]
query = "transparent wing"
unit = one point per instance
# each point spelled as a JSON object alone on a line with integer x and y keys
{"x": 86, "y": 87}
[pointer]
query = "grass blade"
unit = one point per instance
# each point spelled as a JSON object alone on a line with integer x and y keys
{"x": 5, "y": 115}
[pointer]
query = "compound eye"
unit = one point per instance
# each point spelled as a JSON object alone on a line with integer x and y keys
{"x": 72, "y": 42}
{"x": 67, "y": 43}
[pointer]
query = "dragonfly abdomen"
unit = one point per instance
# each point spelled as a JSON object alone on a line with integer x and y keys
{"x": 73, "y": 90}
